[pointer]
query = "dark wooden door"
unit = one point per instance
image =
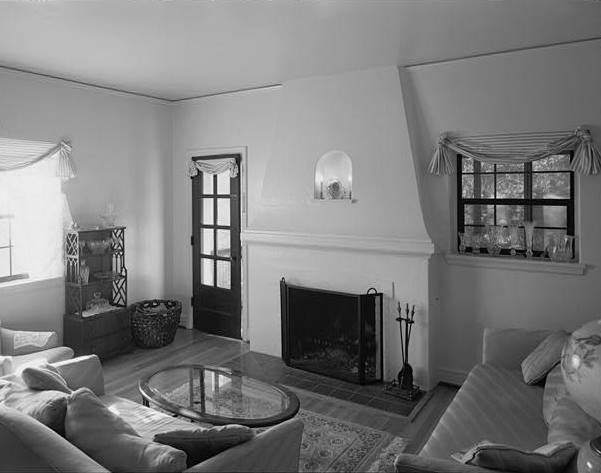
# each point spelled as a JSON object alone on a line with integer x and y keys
{"x": 216, "y": 252}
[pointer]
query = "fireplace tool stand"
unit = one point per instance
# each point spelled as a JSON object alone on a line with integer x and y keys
{"x": 403, "y": 386}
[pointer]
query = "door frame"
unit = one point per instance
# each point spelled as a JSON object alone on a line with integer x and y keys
{"x": 242, "y": 151}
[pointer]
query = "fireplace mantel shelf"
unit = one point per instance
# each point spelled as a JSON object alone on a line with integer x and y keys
{"x": 393, "y": 246}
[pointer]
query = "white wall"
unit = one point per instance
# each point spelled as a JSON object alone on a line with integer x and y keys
{"x": 121, "y": 147}
{"x": 548, "y": 89}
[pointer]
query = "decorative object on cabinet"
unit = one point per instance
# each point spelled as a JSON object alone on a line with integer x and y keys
{"x": 334, "y": 177}
{"x": 154, "y": 322}
{"x": 96, "y": 320}
{"x": 109, "y": 215}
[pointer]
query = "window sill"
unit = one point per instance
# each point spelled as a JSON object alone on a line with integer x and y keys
{"x": 19, "y": 285}
{"x": 515, "y": 264}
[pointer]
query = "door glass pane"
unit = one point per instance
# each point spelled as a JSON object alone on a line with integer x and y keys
{"x": 4, "y": 262}
{"x": 479, "y": 215}
{"x": 550, "y": 216}
{"x": 224, "y": 274}
{"x": 223, "y": 183}
{"x": 552, "y": 185}
{"x": 207, "y": 211}
{"x": 223, "y": 211}
{"x": 510, "y": 214}
{"x": 206, "y": 271}
{"x": 207, "y": 183}
{"x": 207, "y": 237}
{"x": 510, "y": 186}
{"x": 223, "y": 243}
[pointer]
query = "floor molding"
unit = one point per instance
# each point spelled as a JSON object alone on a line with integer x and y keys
{"x": 451, "y": 376}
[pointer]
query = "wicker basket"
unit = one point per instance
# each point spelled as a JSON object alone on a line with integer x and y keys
{"x": 154, "y": 322}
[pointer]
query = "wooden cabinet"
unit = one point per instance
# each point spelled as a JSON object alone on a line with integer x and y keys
{"x": 95, "y": 272}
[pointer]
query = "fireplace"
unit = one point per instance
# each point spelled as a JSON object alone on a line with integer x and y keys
{"x": 333, "y": 333}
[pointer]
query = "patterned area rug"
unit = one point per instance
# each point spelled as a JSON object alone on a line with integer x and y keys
{"x": 333, "y": 445}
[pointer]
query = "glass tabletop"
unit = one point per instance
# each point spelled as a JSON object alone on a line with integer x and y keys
{"x": 218, "y": 396}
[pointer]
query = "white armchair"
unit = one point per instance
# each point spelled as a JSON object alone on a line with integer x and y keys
{"x": 19, "y": 347}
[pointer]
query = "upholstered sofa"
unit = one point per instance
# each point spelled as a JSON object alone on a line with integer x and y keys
{"x": 19, "y": 347}
{"x": 494, "y": 404}
{"x": 27, "y": 445}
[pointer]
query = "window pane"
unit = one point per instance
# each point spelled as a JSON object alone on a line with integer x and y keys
{"x": 223, "y": 274}
{"x": 487, "y": 186}
{"x": 510, "y": 186}
{"x": 4, "y": 262}
{"x": 223, "y": 243}
{"x": 467, "y": 164}
{"x": 486, "y": 167}
{"x": 550, "y": 216}
{"x": 207, "y": 237}
{"x": 468, "y": 186}
{"x": 479, "y": 214}
{"x": 554, "y": 185}
{"x": 207, "y": 183}
{"x": 510, "y": 214}
{"x": 223, "y": 211}
{"x": 542, "y": 238}
{"x": 223, "y": 183}
{"x": 510, "y": 168}
{"x": 559, "y": 162}
{"x": 207, "y": 211}
{"x": 206, "y": 271}
{"x": 3, "y": 232}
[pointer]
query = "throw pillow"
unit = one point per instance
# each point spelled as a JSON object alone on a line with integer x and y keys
{"x": 200, "y": 444}
{"x": 19, "y": 342}
{"x": 546, "y": 459}
{"x": 555, "y": 389}
{"x": 48, "y": 407}
{"x": 544, "y": 357}
{"x": 44, "y": 377}
{"x": 112, "y": 442}
{"x": 6, "y": 365}
{"x": 569, "y": 423}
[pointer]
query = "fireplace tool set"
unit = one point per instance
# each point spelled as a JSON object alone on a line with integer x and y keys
{"x": 403, "y": 386}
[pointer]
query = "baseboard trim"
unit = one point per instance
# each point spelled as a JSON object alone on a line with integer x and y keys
{"x": 450, "y": 376}
{"x": 393, "y": 246}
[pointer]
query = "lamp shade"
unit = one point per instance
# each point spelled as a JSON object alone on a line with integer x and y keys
{"x": 581, "y": 367}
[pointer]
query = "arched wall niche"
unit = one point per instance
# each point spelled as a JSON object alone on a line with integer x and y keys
{"x": 334, "y": 176}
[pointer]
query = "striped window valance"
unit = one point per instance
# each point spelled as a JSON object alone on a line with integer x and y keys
{"x": 213, "y": 166}
{"x": 19, "y": 154}
{"x": 517, "y": 148}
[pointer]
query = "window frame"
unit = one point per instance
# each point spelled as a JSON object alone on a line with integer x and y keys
{"x": 528, "y": 201}
{"x": 10, "y": 246}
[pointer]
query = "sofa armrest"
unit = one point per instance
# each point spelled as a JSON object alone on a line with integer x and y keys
{"x": 24, "y": 342}
{"x": 83, "y": 371}
{"x": 275, "y": 450}
{"x": 28, "y": 445}
{"x": 508, "y": 347}
{"x": 407, "y": 463}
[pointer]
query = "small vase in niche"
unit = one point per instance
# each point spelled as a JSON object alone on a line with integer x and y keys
{"x": 84, "y": 272}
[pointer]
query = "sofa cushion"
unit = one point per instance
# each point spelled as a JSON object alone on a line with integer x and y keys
{"x": 546, "y": 459}
{"x": 544, "y": 357}
{"x": 569, "y": 423}
{"x": 202, "y": 443}
{"x": 555, "y": 389}
{"x": 112, "y": 442}
{"x": 44, "y": 377}
{"x": 48, "y": 407}
{"x": 494, "y": 403}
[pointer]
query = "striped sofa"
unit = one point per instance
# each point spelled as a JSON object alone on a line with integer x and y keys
{"x": 493, "y": 404}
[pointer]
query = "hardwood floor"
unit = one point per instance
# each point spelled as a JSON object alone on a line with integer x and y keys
{"x": 122, "y": 373}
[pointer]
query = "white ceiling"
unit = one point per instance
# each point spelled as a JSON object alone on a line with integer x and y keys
{"x": 177, "y": 49}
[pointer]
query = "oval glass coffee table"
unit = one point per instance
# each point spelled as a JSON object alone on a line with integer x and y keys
{"x": 218, "y": 396}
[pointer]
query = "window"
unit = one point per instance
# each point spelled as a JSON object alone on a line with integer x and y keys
{"x": 31, "y": 222}
{"x": 509, "y": 194}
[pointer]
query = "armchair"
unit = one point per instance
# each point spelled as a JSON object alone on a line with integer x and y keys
{"x": 19, "y": 347}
